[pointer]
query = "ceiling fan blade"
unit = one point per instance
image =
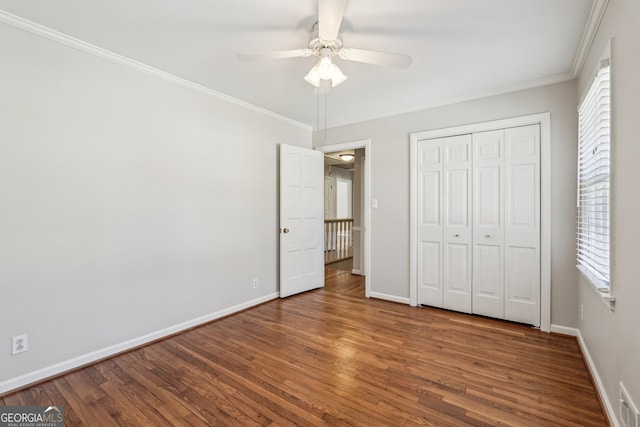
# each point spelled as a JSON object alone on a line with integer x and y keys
{"x": 330, "y": 13}
{"x": 275, "y": 54}
{"x": 375, "y": 57}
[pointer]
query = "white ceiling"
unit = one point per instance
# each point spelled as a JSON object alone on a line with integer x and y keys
{"x": 461, "y": 49}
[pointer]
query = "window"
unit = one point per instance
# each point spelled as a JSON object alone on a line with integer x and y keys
{"x": 593, "y": 181}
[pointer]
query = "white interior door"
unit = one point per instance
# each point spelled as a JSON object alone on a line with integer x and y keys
{"x": 301, "y": 220}
{"x": 444, "y": 222}
{"x": 430, "y": 227}
{"x": 522, "y": 224}
{"x": 457, "y": 223}
{"x": 488, "y": 223}
{"x": 344, "y": 198}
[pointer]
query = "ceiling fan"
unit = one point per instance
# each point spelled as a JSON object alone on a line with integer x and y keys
{"x": 326, "y": 42}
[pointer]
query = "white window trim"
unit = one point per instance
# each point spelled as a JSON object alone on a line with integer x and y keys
{"x": 606, "y": 291}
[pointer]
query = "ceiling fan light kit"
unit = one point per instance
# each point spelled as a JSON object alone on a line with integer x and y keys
{"x": 325, "y": 69}
{"x": 325, "y": 43}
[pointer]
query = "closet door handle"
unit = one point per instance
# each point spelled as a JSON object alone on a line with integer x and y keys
{"x": 456, "y": 235}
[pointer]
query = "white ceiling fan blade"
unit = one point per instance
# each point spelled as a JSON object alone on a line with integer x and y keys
{"x": 275, "y": 54}
{"x": 330, "y": 13}
{"x": 375, "y": 57}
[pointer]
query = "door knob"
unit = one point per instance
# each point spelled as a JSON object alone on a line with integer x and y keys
{"x": 487, "y": 236}
{"x": 285, "y": 231}
{"x": 456, "y": 235}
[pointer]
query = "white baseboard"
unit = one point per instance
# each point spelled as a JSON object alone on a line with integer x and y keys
{"x": 390, "y": 298}
{"x": 86, "y": 359}
{"x": 564, "y": 330}
{"x": 356, "y": 272}
{"x": 611, "y": 413}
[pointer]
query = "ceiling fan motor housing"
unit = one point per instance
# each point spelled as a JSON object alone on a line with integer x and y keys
{"x": 316, "y": 44}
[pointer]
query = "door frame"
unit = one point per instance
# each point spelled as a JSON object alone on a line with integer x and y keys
{"x": 544, "y": 120}
{"x": 366, "y": 220}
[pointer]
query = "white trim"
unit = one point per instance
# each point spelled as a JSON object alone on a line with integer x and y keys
{"x": 413, "y": 220}
{"x": 608, "y": 54}
{"x": 391, "y": 298}
{"x": 544, "y": 119}
{"x": 593, "y": 22}
{"x": 545, "y": 221}
{"x": 468, "y": 98}
{"x": 611, "y": 413}
{"x": 607, "y": 297}
{"x": 366, "y": 221}
{"x": 356, "y": 272}
{"x": 92, "y": 357}
{"x": 64, "y": 39}
{"x": 564, "y": 330}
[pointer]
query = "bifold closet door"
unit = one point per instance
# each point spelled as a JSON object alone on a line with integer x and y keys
{"x": 522, "y": 224}
{"x": 430, "y": 171}
{"x": 488, "y": 223}
{"x": 444, "y": 222}
{"x": 506, "y": 224}
{"x": 457, "y": 223}
{"x": 479, "y": 223}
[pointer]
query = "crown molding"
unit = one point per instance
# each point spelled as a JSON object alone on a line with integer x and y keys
{"x": 64, "y": 39}
{"x": 561, "y": 78}
{"x": 593, "y": 22}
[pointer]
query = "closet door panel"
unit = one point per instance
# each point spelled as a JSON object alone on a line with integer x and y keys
{"x": 430, "y": 227}
{"x": 522, "y": 224}
{"x": 522, "y": 275}
{"x": 488, "y": 224}
{"x": 430, "y": 273}
{"x": 457, "y": 227}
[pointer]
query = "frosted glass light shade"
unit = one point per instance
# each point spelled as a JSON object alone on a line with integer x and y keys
{"x": 337, "y": 77}
{"x": 313, "y": 77}
{"x": 325, "y": 69}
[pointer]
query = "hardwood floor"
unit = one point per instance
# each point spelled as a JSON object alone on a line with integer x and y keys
{"x": 338, "y": 255}
{"x": 332, "y": 357}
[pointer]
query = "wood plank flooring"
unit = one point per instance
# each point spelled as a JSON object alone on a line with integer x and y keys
{"x": 332, "y": 357}
{"x": 337, "y": 255}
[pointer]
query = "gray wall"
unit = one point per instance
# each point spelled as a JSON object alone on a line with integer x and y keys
{"x": 613, "y": 337}
{"x": 128, "y": 204}
{"x": 390, "y": 183}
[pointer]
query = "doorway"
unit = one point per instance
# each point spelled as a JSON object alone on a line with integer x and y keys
{"x": 348, "y": 207}
{"x": 343, "y": 173}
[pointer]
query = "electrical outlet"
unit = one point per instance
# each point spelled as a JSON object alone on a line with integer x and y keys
{"x": 255, "y": 283}
{"x": 19, "y": 344}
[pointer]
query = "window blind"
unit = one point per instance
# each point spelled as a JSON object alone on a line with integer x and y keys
{"x": 593, "y": 181}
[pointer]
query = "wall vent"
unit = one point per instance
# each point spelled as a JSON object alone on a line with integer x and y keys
{"x": 628, "y": 411}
